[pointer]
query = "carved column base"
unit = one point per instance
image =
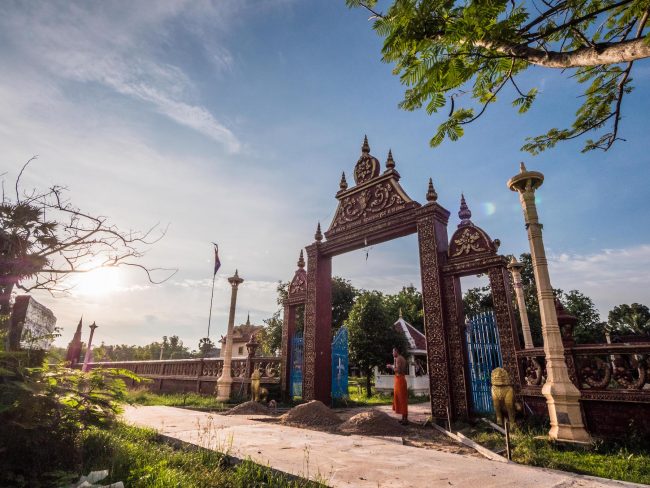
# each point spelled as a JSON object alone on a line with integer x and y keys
{"x": 224, "y": 388}
{"x": 565, "y": 413}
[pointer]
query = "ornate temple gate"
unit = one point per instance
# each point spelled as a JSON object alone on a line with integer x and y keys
{"x": 377, "y": 210}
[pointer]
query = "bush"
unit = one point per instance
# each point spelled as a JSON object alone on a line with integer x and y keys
{"x": 43, "y": 410}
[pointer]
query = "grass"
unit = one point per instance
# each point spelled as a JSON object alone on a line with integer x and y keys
{"x": 625, "y": 461}
{"x": 140, "y": 459}
{"x": 191, "y": 400}
{"x": 357, "y": 395}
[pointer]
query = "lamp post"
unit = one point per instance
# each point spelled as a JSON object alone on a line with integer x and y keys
{"x": 515, "y": 268}
{"x": 562, "y": 396}
{"x": 224, "y": 383}
{"x": 93, "y": 326}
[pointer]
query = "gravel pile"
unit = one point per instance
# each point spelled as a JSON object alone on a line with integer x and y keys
{"x": 373, "y": 422}
{"x": 312, "y": 414}
{"x": 249, "y": 408}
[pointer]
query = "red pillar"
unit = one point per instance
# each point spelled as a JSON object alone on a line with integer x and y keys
{"x": 317, "y": 372}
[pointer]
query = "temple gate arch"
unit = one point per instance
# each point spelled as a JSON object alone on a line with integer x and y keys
{"x": 375, "y": 210}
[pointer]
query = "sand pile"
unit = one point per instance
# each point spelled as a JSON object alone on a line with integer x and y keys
{"x": 249, "y": 408}
{"x": 373, "y": 422}
{"x": 312, "y": 414}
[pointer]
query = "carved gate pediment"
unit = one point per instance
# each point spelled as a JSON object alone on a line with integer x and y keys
{"x": 375, "y": 196}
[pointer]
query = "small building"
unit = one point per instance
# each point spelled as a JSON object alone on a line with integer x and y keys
{"x": 417, "y": 379}
{"x": 241, "y": 334}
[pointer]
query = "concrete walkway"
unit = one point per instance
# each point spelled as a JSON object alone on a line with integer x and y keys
{"x": 345, "y": 461}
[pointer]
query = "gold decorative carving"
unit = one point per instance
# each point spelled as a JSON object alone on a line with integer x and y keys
{"x": 466, "y": 243}
{"x": 378, "y": 201}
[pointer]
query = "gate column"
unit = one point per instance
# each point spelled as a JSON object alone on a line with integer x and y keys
{"x": 317, "y": 376}
{"x": 432, "y": 241}
{"x": 506, "y": 325}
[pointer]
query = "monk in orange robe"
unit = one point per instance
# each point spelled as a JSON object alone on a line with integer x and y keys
{"x": 400, "y": 392}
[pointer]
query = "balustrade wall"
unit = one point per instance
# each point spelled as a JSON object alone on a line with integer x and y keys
{"x": 614, "y": 380}
{"x": 199, "y": 375}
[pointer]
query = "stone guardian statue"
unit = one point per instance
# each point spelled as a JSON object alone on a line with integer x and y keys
{"x": 503, "y": 395}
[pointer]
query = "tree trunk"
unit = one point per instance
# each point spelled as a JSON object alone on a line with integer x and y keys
{"x": 6, "y": 287}
{"x": 368, "y": 383}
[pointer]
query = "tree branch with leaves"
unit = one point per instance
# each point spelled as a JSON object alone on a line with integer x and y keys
{"x": 448, "y": 52}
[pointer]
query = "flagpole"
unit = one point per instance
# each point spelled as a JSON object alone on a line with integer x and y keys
{"x": 211, "y": 298}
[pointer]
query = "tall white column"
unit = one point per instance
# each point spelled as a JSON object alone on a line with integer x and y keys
{"x": 562, "y": 396}
{"x": 224, "y": 383}
{"x": 515, "y": 270}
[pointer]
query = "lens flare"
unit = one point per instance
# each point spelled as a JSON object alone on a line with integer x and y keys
{"x": 489, "y": 208}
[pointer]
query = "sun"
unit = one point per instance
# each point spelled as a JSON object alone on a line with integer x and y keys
{"x": 101, "y": 281}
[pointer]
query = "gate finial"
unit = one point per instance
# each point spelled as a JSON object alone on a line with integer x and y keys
{"x": 366, "y": 147}
{"x": 343, "y": 185}
{"x": 301, "y": 260}
{"x": 390, "y": 163}
{"x": 319, "y": 235}
{"x": 432, "y": 196}
{"x": 464, "y": 213}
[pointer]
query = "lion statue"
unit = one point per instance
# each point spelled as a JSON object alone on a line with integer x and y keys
{"x": 258, "y": 393}
{"x": 503, "y": 395}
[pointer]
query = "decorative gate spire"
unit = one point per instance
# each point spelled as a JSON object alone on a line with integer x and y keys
{"x": 390, "y": 163}
{"x": 343, "y": 185}
{"x": 319, "y": 235}
{"x": 365, "y": 148}
{"x": 432, "y": 196}
{"x": 301, "y": 260}
{"x": 464, "y": 213}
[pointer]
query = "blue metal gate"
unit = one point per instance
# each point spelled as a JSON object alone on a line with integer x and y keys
{"x": 483, "y": 354}
{"x": 340, "y": 364}
{"x": 295, "y": 387}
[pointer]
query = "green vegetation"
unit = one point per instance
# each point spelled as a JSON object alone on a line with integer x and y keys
{"x": 358, "y": 397}
{"x": 195, "y": 401}
{"x": 141, "y": 459}
{"x": 626, "y": 461}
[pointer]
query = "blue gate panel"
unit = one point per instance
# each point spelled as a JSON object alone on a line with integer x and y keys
{"x": 340, "y": 364}
{"x": 483, "y": 355}
{"x": 295, "y": 387}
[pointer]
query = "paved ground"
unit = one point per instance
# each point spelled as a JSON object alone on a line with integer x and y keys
{"x": 345, "y": 461}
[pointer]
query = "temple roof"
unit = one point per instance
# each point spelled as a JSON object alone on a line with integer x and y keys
{"x": 243, "y": 332}
{"x": 416, "y": 339}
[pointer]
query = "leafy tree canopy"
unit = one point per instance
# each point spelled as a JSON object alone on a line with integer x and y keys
{"x": 629, "y": 319}
{"x": 371, "y": 334}
{"x": 409, "y": 301}
{"x": 459, "y": 55}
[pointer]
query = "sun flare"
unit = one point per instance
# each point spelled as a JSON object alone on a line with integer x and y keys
{"x": 102, "y": 281}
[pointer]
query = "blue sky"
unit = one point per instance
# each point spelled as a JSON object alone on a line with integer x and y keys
{"x": 232, "y": 122}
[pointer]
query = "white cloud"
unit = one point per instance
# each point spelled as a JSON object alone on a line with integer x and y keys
{"x": 610, "y": 277}
{"x": 87, "y": 44}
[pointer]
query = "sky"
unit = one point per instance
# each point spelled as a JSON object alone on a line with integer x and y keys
{"x": 231, "y": 122}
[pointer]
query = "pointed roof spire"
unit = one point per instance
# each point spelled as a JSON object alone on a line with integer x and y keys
{"x": 432, "y": 196}
{"x": 465, "y": 214}
{"x": 390, "y": 163}
{"x": 366, "y": 147}
{"x": 248, "y": 319}
{"x": 400, "y": 313}
{"x": 301, "y": 260}
{"x": 343, "y": 185}
{"x": 319, "y": 235}
{"x": 77, "y": 334}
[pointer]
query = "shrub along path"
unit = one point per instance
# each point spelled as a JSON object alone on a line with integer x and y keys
{"x": 343, "y": 461}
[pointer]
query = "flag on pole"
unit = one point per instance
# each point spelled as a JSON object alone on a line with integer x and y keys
{"x": 217, "y": 263}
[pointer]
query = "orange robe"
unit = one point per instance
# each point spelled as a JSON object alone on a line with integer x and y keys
{"x": 400, "y": 395}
